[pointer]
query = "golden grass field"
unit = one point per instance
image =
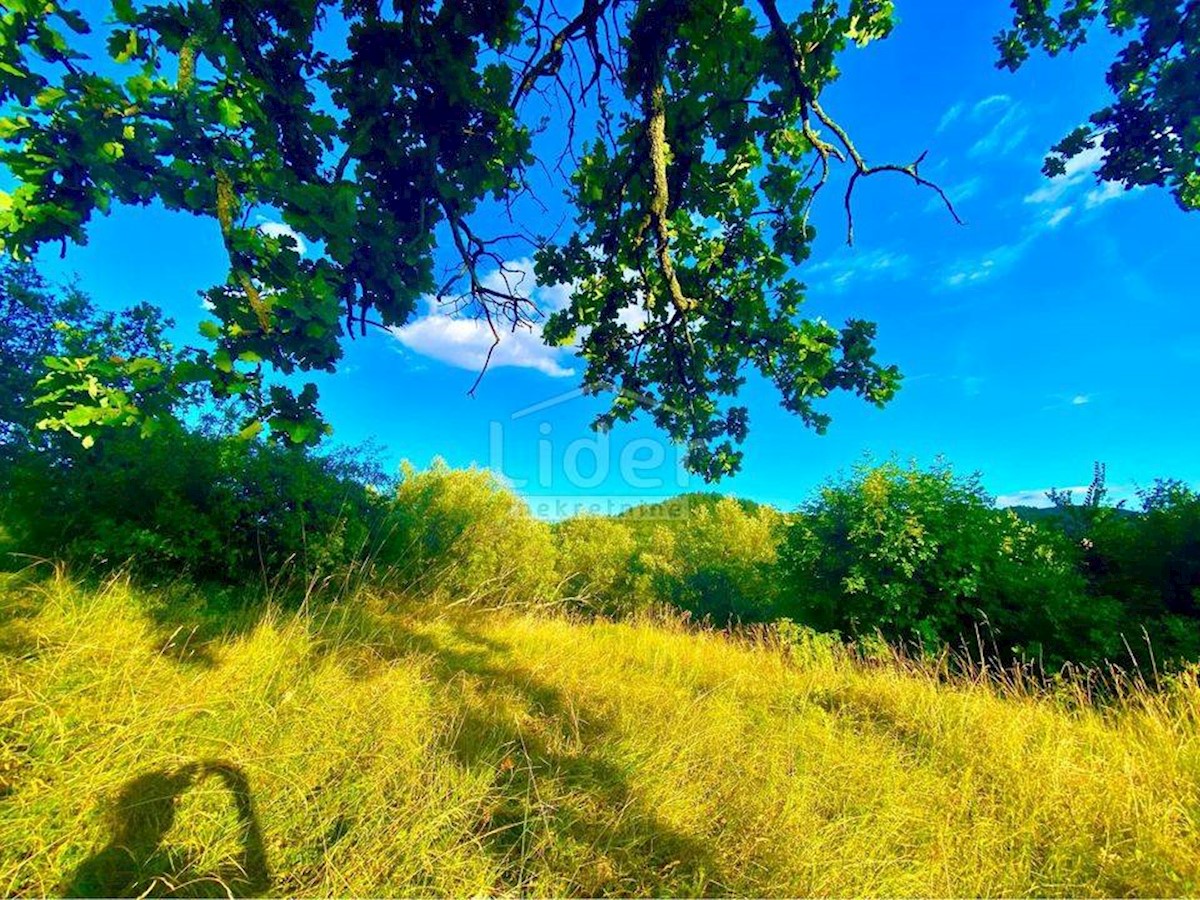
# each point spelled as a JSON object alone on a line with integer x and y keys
{"x": 385, "y": 748}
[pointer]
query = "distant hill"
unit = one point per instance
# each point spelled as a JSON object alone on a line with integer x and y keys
{"x": 1056, "y": 514}
{"x": 675, "y": 509}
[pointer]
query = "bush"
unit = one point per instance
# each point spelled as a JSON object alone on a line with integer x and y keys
{"x": 1150, "y": 563}
{"x": 163, "y": 499}
{"x": 597, "y": 560}
{"x": 460, "y": 535}
{"x": 923, "y": 556}
{"x": 719, "y": 563}
{"x": 184, "y": 503}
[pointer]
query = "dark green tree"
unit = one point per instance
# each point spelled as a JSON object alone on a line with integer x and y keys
{"x": 373, "y": 129}
{"x": 1151, "y": 131}
{"x": 66, "y": 365}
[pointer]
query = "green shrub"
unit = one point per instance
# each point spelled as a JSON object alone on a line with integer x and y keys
{"x": 1150, "y": 563}
{"x": 597, "y": 559}
{"x": 719, "y": 563}
{"x": 185, "y": 503}
{"x": 163, "y": 500}
{"x": 460, "y": 535}
{"x": 923, "y": 556}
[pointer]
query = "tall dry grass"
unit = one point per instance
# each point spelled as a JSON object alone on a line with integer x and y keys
{"x": 379, "y": 747}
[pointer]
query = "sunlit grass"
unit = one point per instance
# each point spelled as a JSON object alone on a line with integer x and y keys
{"x": 384, "y": 748}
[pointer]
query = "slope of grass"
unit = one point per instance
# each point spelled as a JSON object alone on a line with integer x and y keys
{"x": 389, "y": 749}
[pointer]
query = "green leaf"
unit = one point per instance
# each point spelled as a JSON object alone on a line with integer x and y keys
{"x": 124, "y": 12}
{"x": 79, "y": 416}
{"x": 229, "y": 113}
{"x": 112, "y": 151}
{"x": 123, "y": 45}
{"x": 75, "y": 21}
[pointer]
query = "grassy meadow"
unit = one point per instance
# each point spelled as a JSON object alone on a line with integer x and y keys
{"x": 389, "y": 747}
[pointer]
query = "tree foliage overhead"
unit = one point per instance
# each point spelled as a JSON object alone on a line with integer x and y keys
{"x": 1151, "y": 131}
{"x": 694, "y": 132}
{"x": 58, "y": 351}
{"x": 375, "y": 129}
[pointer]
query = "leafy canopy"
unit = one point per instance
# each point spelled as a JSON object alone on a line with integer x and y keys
{"x": 374, "y": 129}
{"x": 696, "y": 131}
{"x": 1151, "y": 131}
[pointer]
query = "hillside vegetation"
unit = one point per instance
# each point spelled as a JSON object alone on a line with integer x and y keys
{"x": 386, "y": 747}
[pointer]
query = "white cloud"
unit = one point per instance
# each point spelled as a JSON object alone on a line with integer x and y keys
{"x": 1007, "y": 130}
{"x": 949, "y": 117}
{"x": 1058, "y": 215}
{"x": 1078, "y": 168}
{"x": 995, "y": 100}
{"x": 964, "y": 191}
{"x": 282, "y": 230}
{"x": 994, "y": 262}
{"x": 1109, "y": 190}
{"x": 958, "y": 194}
{"x": 1056, "y": 200}
{"x": 634, "y": 317}
{"x": 1082, "y": 163}
{"x": 1070, "y": 186}
{"x": 464, "y": 342}
{"x": 1060, "y": 402}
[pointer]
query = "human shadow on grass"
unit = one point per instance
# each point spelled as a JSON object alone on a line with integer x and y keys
{"x": 135, "y": 862}
{"x": 629, "y": 850}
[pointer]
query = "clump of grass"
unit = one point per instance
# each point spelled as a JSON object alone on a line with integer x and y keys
{"x": 380, "y": 747}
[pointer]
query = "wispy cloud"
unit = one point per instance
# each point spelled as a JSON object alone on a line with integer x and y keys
{"x": 999, "y": 123}
{"x": 849, "y": 266}
{"x": 964, "y": 190}
{"x": 995, "y": 101}
{"x": 1053, "y": 202}
{"x": 950, "y": 116}
{"x": 1068, "y": 401}
{"x": 1056, "y": 218}
{"x": 1071, "y": 185}
{"x": 1007, "y": 128}
{"x": 1109, "y": 190}
{"x": 990, "y": 264}
{"x": 1078, "y": 169}
{"x": 958, "y": 193}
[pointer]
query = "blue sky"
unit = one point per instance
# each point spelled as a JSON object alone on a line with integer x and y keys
{"x": 1055, "y": 328}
